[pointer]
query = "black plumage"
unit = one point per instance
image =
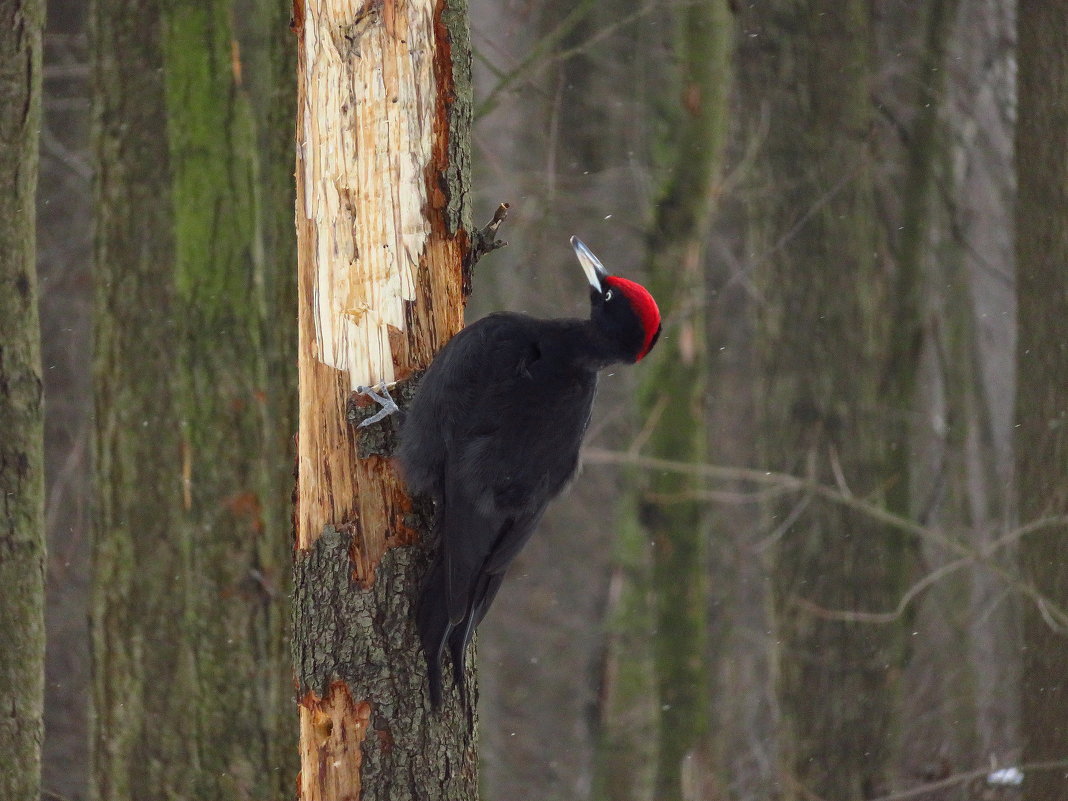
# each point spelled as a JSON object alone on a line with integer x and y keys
{"x": 493, "y": 435}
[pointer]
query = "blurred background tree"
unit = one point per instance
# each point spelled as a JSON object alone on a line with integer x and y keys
{"x": 848, "y": 309}
{"x": 22, "y": 541}
{"x": 835, "y": 359}
{"x": 193, "y": 336}
{"x": 1042, "y": 402}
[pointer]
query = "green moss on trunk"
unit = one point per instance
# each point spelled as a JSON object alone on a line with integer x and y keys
{"x": 22, "y": 545}
{"x": 673, "y": 386}
{"x": 191, "y": 690}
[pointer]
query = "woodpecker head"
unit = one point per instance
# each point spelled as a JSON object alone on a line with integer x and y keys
{"x": 622, "y": 309}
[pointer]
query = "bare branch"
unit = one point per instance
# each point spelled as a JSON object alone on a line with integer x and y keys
{"x": 1054, "y": 616}
{"x": 962, "y": 778}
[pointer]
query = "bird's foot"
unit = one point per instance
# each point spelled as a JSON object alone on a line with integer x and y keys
{"x": 385, "y": 400}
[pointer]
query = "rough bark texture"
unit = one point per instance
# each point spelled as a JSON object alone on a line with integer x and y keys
{"x": 383, "y": 119}
{"x": 826, "y": 397}
{"x": 22, "y": 546}
{"x": 190, "y": 679}
{"x": 1042, "y": 357}
{"x": 357, "y": 663}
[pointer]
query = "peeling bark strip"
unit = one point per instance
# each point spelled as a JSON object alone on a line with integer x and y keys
{"x": 381, "y": 236}
{"x": 367, "y": 133}
{"x": 371, "y": 137}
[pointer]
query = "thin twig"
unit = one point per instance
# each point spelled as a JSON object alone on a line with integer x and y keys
{"x": 1056, "y": 617}
{"x": 839, "y": 474}
{"x": 533, "y": 63}
{"x": 651, "y": 422}
{"x": 961, "y": 778}
{"x": 909, "y": 595}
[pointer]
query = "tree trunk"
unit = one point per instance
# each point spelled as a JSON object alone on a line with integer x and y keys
{"x": 656, "y": 672}
{"x": 1042, "y": 397}
{"x": 975, "y": 271}
{"x": 673, "y": 390}
{"x": 22, "y": 546}
{"x": 828, "y": 404}
{"x": 190, "y": 665}
{"x": 382, "y": 134}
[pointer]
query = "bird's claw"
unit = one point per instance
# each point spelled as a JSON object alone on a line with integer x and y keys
{"x": 385, "y": 400}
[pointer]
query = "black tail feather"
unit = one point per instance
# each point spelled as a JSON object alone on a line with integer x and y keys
{"x": 432, "y": 619}
{"x": 458, "y": 640}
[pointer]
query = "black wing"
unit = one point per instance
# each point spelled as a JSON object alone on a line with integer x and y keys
{"x": 449, "y": 393}
{"x": 493, "y": 436}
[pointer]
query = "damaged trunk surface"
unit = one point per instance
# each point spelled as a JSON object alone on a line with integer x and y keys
{"x": 383, "y": 119}
{"x": 366, "y": 728}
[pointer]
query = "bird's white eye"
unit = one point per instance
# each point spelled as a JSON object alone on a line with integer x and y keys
{"x": 608, "y": 294}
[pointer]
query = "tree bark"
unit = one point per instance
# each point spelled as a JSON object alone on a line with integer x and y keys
{"x": 22, "y": 545}
{"x": 1042, "y": 363}
{"x": 191, "y": 544}
{"x": 382, "y": 230}
{"x": 828, "y": 395}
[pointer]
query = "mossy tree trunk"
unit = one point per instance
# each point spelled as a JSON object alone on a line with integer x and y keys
{"x": 384, "y": 112}
{"x": 191, "y": 678}
{"x": 672, "y": 393}
{"x": 22, "y": 545}
{"x": 827, "y": 401}
{"x": 1042, "y": 396}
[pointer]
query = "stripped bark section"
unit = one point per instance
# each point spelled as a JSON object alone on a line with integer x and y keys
{"x": 379, "y": 267}
{"x": 332, "y": 729}
{"x": 366, "y": 133}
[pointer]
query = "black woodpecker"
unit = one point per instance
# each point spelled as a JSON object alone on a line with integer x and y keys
{"x": 493, "y": 435}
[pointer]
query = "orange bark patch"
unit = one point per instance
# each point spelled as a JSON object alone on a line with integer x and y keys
{"x": 332, "y": 730}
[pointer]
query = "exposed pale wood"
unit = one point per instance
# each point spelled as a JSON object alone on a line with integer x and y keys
{"x": 379, "y": 287}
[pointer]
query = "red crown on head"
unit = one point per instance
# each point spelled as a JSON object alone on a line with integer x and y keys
{"x": 644, "y": 306}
